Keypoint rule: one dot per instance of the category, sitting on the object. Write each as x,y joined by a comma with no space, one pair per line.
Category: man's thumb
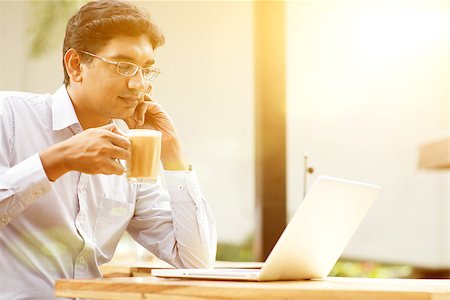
109,127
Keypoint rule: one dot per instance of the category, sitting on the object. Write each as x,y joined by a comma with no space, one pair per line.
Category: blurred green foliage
370,270
235,252
48,21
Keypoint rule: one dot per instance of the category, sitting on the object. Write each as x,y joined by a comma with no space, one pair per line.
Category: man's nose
137,82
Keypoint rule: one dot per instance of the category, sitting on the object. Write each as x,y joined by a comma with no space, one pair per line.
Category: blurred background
367,83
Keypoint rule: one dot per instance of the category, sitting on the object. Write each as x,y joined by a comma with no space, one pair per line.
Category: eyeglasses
129,69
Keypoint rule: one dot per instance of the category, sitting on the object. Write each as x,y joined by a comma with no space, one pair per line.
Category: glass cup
143,166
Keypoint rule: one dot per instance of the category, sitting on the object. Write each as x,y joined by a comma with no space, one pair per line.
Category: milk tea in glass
143,165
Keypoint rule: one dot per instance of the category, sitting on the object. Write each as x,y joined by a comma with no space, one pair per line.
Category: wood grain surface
329,288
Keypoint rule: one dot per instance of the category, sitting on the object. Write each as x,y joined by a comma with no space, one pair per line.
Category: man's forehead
136,49
133,58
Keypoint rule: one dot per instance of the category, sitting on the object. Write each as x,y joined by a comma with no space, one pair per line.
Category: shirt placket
81,264
80,267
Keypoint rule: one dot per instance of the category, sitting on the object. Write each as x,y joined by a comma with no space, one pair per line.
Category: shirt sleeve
22,183
176,225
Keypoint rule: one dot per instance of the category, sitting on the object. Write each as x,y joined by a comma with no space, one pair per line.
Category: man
64,199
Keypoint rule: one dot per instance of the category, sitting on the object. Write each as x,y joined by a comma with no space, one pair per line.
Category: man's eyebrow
131,59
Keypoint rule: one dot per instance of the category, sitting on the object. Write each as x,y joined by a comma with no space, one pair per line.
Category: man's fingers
154,107
147,97
119,139
139,114
114,167
109,127
118,152
116,136
112,127
116,129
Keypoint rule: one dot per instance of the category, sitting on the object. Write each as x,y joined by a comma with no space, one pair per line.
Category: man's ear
72,61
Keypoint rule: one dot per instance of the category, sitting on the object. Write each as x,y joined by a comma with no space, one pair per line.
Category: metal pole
306,170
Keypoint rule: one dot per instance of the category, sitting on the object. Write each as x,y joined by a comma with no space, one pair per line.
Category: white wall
206,85
368,82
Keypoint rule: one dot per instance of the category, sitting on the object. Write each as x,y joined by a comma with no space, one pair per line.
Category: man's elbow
200,259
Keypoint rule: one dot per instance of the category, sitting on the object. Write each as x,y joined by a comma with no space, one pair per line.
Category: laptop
313,240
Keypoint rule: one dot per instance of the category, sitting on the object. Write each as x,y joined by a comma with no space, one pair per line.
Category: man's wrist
175,164
54,162
171,156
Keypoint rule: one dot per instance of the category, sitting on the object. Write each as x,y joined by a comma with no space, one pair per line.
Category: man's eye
147,71
126,68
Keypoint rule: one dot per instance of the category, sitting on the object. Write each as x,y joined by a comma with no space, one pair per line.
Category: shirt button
83,189
82,259
180,187
194,188
4,218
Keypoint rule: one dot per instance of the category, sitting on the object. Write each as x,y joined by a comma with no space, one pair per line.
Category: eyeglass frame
153,76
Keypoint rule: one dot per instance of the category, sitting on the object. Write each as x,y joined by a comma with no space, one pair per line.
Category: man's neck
86,117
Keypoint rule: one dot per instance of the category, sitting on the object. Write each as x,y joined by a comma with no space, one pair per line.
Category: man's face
109,94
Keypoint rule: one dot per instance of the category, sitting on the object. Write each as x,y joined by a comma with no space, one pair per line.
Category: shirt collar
63,113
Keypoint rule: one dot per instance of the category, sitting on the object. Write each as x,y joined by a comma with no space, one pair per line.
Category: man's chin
125,114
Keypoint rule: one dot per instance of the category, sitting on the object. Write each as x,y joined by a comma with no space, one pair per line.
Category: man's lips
130,100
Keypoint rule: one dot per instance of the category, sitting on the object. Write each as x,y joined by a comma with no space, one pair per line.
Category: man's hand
150,115
94,151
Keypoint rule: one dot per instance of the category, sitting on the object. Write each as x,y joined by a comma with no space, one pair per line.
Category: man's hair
97,22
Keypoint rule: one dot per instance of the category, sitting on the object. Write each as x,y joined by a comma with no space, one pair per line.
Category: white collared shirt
67,228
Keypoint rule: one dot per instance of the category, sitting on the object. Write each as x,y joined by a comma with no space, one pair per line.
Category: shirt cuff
183,185
27,180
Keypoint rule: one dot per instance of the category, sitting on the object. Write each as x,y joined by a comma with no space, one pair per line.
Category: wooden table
329,288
